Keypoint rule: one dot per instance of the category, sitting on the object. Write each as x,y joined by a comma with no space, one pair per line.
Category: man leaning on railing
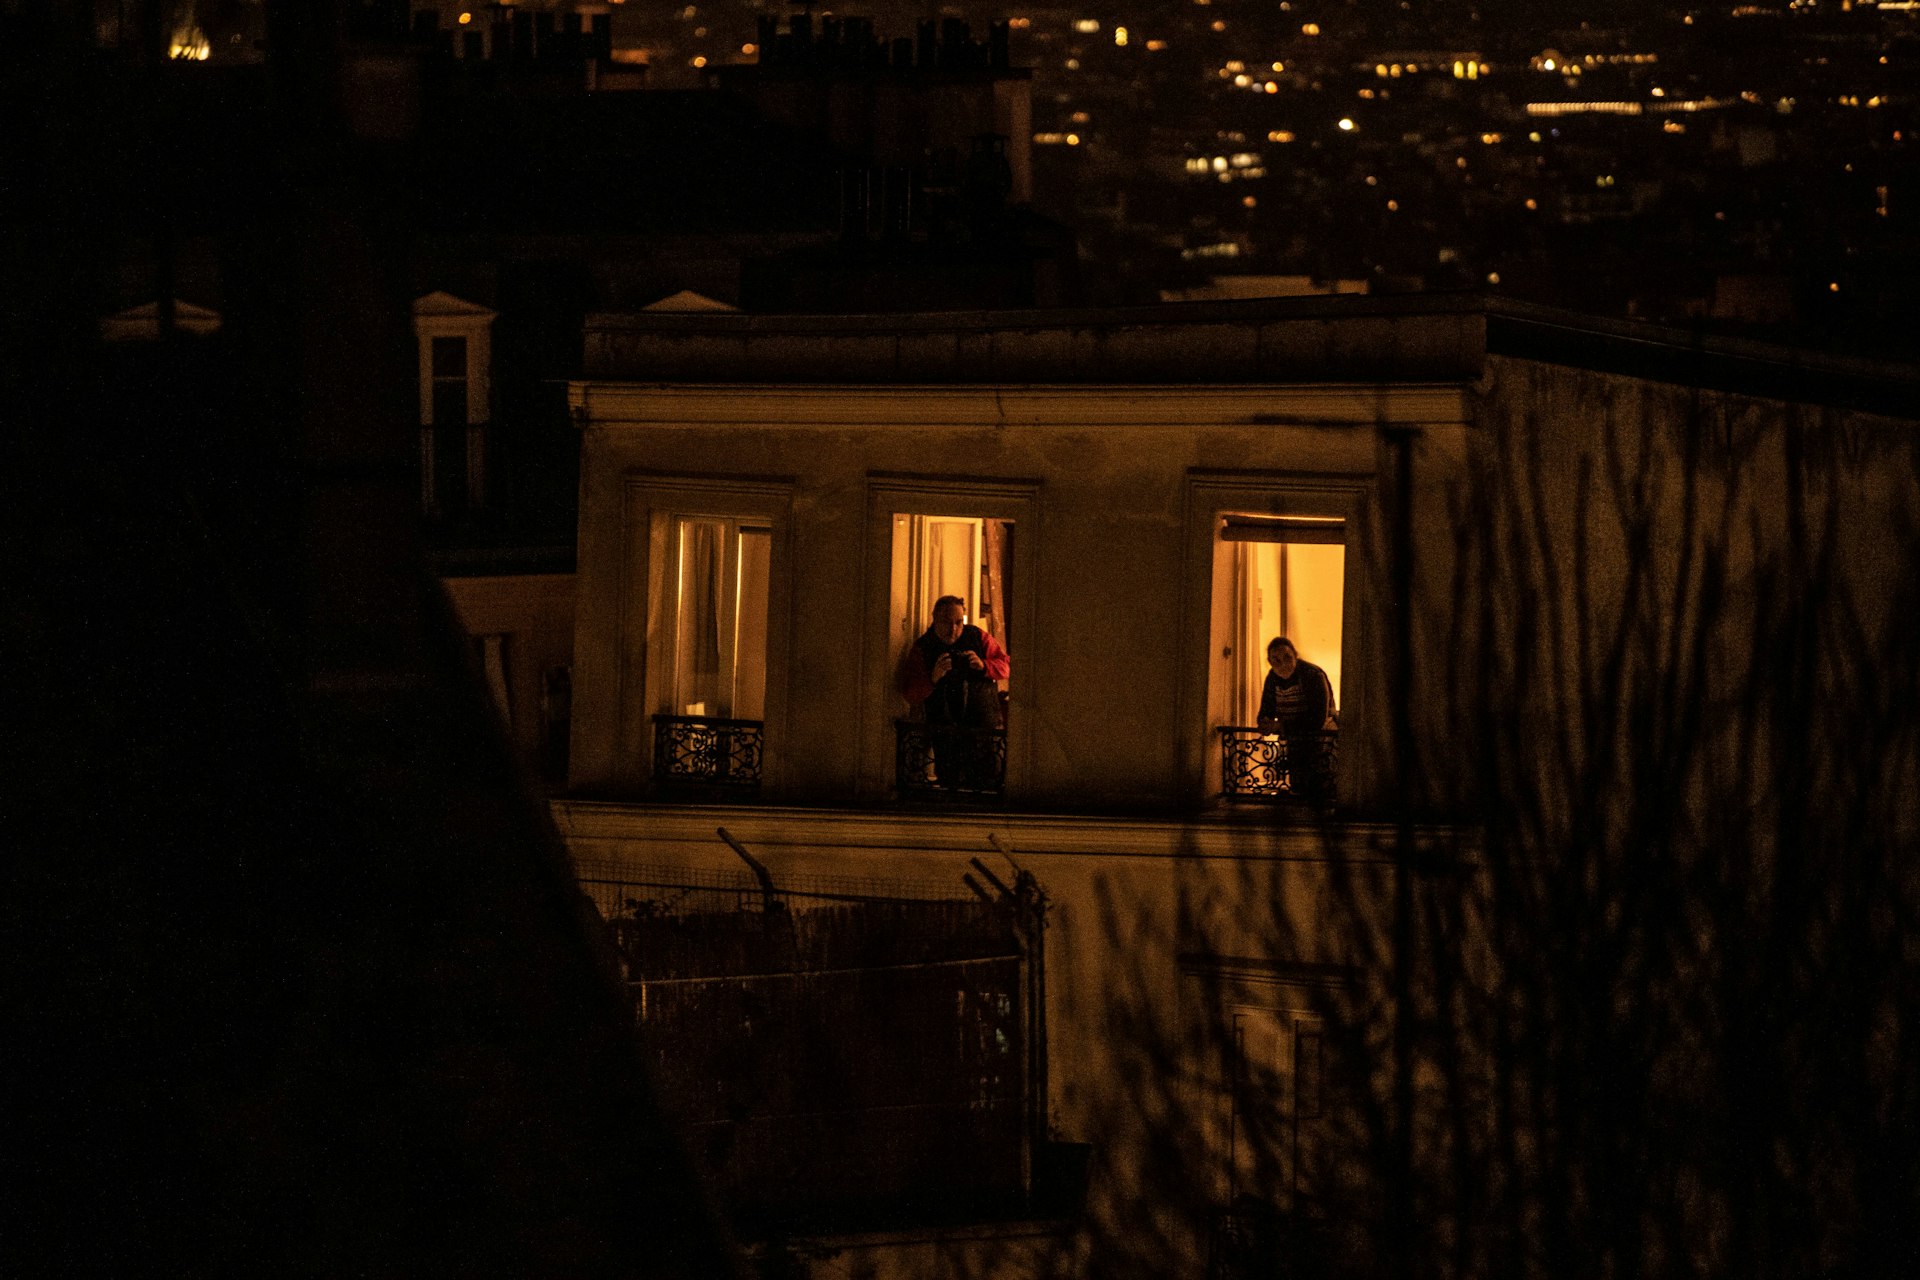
950,672
1297,703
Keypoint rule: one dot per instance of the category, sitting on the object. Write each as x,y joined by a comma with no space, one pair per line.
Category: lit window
711,617
1283,576
954,737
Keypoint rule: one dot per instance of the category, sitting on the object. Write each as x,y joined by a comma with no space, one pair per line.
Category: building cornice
644,404
774,829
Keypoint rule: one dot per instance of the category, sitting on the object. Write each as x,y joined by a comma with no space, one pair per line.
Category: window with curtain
718,617
1274,576
965,556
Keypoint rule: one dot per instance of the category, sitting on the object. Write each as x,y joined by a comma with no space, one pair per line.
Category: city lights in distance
1346,124
1120,36
465,18
1309,28
1280,135
1086,26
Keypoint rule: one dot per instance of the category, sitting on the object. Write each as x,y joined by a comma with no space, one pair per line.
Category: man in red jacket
950,671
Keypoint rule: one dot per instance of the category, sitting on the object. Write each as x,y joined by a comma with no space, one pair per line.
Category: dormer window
455,403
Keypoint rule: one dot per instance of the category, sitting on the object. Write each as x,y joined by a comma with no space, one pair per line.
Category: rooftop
1411,338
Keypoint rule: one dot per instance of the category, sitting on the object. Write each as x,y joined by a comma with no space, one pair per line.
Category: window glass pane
450,404
750,628
450,468
450,358
697,685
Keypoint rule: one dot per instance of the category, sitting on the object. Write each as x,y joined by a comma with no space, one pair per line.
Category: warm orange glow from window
465,18
699,62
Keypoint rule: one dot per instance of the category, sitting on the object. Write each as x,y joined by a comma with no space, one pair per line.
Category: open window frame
888,495
653,505
1211,497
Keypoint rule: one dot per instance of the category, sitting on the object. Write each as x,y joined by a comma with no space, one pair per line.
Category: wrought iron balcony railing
708,751
1258,765
952,761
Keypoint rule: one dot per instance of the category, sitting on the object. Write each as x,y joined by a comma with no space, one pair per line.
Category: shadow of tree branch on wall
1646,1005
